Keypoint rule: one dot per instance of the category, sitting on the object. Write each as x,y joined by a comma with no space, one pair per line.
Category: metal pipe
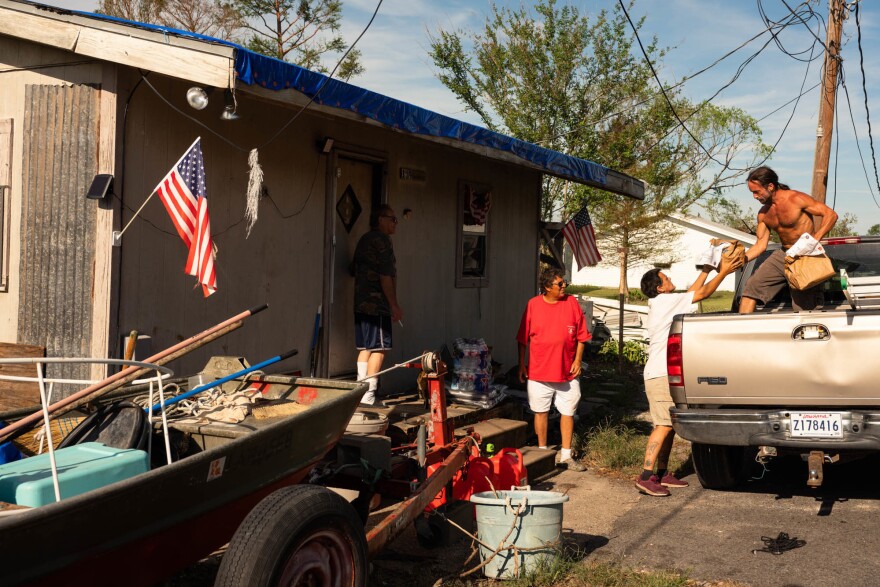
131,373
220,381
393,524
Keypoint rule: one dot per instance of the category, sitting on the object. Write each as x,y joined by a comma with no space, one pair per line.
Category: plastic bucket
523,526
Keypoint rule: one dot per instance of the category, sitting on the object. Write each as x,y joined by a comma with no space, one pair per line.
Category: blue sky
699,32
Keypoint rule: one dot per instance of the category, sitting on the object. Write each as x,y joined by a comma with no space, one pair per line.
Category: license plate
816,425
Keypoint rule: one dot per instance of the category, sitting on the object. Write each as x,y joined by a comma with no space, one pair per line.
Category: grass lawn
718,302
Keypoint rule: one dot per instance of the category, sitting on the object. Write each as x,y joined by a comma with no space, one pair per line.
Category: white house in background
694,238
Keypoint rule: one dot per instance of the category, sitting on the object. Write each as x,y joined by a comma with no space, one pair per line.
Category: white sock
362,369
564,454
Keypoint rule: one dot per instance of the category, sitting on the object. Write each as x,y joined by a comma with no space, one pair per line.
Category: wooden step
538,461
501,432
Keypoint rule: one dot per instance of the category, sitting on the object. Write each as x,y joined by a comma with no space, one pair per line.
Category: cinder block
374,449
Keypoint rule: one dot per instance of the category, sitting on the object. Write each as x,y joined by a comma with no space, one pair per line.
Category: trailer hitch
815,462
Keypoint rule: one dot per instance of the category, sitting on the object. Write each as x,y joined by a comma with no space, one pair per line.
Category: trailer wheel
721,467
300,535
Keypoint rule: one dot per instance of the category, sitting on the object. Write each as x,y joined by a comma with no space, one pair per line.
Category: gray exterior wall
282,263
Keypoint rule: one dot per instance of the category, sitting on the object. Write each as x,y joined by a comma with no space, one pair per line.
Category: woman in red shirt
554,332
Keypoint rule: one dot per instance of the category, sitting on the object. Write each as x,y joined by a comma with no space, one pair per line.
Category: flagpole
118,236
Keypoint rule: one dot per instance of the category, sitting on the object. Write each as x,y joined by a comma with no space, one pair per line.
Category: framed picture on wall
472,240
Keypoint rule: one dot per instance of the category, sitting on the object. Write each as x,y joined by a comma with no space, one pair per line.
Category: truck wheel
299,535
720,467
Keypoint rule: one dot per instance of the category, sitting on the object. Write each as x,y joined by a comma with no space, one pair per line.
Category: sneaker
378,404
669,481
572,465
651,486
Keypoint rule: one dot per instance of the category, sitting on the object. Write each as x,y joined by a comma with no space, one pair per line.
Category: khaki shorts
565,395
770,278
659,400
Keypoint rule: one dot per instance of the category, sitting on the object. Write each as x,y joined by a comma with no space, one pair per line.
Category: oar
129,374
221,381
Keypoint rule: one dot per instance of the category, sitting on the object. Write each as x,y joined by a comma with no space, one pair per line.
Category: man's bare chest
783,217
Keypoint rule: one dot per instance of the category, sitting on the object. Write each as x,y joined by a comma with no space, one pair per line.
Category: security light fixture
231,105
197,97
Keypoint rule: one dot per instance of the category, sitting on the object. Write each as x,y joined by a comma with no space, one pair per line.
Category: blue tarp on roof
275,74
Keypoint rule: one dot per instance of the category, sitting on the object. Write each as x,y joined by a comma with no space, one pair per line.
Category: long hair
765,176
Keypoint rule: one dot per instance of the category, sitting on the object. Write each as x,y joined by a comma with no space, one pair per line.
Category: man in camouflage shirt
375,296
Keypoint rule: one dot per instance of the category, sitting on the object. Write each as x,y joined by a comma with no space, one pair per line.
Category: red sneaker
669,481
651,486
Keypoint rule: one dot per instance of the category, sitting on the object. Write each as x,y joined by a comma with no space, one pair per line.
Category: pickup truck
752,387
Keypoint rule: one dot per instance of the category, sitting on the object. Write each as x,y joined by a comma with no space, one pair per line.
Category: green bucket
523,526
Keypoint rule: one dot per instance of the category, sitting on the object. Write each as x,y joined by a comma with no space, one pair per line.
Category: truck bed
820,358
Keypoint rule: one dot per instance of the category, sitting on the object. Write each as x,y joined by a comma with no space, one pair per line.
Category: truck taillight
674,367
846,240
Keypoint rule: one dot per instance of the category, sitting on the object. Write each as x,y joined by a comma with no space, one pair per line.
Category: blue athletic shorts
372,333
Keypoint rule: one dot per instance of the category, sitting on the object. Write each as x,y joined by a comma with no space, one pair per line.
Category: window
5,195
472,242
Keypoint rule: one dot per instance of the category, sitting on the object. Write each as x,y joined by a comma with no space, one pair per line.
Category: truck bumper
750,427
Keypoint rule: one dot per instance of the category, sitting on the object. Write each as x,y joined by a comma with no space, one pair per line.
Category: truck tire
299,535
720,467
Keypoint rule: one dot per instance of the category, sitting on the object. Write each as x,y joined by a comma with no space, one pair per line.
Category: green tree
214,18
845,225
299,31
555,77
730,213
874,230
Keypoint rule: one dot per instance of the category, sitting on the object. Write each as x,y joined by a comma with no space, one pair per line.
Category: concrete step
499,431
538,461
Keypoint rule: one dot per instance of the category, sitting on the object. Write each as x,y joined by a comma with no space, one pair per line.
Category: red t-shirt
552,331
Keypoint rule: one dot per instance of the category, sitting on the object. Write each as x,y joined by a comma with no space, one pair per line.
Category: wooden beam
192,60
109,128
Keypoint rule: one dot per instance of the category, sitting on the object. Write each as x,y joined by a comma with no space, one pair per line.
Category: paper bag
806,271
736,252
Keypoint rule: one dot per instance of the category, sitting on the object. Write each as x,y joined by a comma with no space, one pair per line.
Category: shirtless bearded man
790,213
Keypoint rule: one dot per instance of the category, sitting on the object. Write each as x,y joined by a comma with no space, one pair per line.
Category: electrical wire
663,90
294,117
865,92
856,134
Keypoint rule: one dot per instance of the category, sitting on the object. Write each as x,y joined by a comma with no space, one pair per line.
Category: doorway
358,186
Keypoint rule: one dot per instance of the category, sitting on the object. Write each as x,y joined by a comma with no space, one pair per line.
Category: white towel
806,245
711,256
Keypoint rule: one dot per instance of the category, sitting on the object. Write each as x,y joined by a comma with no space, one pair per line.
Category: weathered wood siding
51,98
57,222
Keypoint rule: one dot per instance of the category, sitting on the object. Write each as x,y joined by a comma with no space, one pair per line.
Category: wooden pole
825,129
622,294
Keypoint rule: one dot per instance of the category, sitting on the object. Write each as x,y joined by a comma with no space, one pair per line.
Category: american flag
580,236
479,204
184,195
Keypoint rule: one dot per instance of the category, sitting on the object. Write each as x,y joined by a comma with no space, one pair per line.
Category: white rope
254,188
44,398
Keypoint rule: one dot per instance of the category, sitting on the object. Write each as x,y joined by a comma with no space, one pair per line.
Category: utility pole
836,14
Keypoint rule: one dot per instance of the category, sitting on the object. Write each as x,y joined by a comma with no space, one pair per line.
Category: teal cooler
81,468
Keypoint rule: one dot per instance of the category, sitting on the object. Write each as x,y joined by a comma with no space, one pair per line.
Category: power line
856,134
865,92
663,90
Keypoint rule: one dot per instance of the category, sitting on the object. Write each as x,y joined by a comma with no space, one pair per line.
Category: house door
358,190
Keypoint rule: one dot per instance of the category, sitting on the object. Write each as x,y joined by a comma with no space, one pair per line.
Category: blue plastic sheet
274,74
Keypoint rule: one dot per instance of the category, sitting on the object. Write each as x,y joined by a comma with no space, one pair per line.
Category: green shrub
634,352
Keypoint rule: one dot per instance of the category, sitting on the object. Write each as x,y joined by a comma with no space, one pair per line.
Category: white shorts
565,395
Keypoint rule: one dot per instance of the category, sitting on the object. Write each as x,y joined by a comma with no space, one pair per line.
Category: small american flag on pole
580,236
184,195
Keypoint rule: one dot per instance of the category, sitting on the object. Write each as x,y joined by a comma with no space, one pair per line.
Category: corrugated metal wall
57,259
